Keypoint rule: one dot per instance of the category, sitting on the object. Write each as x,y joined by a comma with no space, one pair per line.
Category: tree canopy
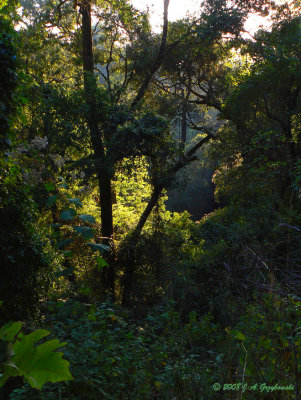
100,117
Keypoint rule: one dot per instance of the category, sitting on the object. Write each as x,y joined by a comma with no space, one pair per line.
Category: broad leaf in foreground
38,364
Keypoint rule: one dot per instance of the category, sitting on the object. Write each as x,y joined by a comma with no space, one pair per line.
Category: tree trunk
104,179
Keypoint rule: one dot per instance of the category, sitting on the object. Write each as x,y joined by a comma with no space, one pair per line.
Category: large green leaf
7,335
38,364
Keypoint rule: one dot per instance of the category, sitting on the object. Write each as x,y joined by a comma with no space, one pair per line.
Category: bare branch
291,227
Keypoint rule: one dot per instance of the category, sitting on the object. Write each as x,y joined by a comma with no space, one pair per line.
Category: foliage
265,108
28,259
162,357
270,334
37,364
25,252
84,172
116,359
8,78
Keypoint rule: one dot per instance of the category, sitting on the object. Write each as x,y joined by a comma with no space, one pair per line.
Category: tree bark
103,176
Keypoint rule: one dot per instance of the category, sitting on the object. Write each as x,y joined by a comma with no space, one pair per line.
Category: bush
25,253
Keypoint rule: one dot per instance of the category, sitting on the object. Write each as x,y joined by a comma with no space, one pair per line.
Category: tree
23,248
8,76
116,77
265,109
98,137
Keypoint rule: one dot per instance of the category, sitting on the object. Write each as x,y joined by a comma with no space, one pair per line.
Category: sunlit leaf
240,336
101,263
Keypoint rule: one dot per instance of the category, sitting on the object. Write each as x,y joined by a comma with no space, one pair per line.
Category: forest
107,290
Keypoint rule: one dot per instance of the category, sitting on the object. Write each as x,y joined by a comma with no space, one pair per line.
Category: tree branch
158,60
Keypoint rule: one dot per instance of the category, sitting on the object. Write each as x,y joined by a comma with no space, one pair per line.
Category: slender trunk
103,176
151,204
134,238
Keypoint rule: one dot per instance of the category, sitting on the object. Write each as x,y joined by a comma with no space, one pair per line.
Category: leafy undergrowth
115,357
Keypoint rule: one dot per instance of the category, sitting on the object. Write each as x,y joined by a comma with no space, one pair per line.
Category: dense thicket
25,262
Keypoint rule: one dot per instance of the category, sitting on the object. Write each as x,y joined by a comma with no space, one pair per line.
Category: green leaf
37,364
24,351
68,214
3,3
84,231
49,186
87,218
240,336
76,202
9,331
51,200
101,263
99,247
